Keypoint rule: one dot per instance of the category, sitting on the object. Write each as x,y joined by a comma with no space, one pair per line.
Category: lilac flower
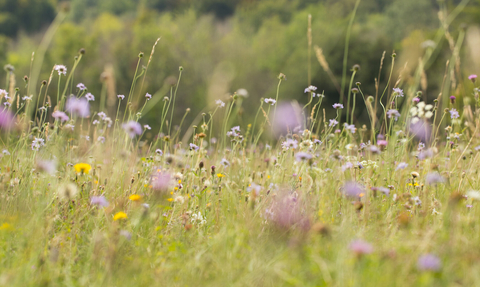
337,106
61,69
290,144
270,101
132,128
99,200
310,89
350,128
148,96
429,262
90,97
286,119
220,103
58,115
78,107
353,189
434,178
37,143
401,165
81,87
101,139
397,92
303,156
194,147
147,127
360,247
393,113
159,151
454,114
332,122
472,77
121,97
6,120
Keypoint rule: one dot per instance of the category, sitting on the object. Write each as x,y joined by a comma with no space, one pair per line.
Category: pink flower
360,247
472,77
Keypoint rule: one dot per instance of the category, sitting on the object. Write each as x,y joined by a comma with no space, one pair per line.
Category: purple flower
382,143
159,151
148,96
424,154
374,149
121,97
287,213
6,120
454,114
353,189
225,162
337,106
58,115
332,122
194,147
350,128
346,166
90,97
99,200
132,128
384,190
81,87
421,130
429,262
397,92
393,113
78,107
147,127
434,178
101,139
287,117
47,166
161,182
310,89
102,115
290,144
360,247
472,77
303,156
37,143
401,165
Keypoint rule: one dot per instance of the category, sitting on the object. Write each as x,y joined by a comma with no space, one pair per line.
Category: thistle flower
58,115
429,262
99,200
132,128
61,69
472,77
78,107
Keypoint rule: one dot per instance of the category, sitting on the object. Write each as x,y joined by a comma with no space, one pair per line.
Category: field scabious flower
61,69
472,77
454,114
302,156
290,144
148,96
337,106
360,247
37,143
132,128
90,97
47,166
429,262
353,189
332,122
220,103
270,101
58,115
121,97
99,200
81,87
287,118
78,107
397,92
434,178
82,168
393,113
401,165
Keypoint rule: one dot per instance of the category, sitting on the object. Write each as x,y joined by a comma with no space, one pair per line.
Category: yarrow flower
397,92
132,128
270,101
454,114
337,106
90,97
78,107
61,69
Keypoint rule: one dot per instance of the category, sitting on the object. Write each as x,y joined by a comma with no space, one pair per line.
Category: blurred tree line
223,45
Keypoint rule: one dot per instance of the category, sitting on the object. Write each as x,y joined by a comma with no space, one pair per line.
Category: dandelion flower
134,197
120,215
82,168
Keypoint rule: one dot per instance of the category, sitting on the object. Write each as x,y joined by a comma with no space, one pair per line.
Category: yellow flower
6,226
134,197
120,215
170,199
82,167
220,175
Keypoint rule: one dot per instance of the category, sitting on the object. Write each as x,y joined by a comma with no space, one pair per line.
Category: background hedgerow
377,186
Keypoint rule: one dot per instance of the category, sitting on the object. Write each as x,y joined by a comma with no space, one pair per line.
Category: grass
244,209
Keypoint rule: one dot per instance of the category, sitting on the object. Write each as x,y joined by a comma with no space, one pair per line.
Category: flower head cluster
397,92
132,128
61,69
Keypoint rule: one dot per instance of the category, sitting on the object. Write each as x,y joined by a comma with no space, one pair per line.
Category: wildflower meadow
375,186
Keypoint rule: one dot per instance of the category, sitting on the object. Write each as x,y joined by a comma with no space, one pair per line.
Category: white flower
61,69
474,194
